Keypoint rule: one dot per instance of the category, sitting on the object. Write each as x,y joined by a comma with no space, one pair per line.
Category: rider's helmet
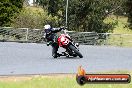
47,28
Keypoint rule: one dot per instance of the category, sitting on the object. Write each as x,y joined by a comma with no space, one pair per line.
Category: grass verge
53,81
122,34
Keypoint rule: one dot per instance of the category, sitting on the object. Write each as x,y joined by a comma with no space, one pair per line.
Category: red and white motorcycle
72,49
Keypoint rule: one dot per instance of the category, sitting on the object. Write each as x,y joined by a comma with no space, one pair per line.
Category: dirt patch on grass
29,77
13,78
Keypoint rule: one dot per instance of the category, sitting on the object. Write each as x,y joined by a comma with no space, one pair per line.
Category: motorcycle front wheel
71,47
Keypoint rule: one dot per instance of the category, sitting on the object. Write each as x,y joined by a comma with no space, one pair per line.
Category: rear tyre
75,51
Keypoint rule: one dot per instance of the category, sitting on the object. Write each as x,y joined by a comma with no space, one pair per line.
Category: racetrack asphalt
32,58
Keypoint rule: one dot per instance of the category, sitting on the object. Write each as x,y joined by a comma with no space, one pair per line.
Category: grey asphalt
32,58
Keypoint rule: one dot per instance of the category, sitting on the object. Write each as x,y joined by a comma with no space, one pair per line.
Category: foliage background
83,15
8,8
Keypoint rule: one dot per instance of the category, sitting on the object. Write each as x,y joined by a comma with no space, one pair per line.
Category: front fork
76,45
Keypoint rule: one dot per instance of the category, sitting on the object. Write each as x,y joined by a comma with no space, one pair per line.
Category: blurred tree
32,17
116,6
129,11
26,3
55,8
83,15
8,8
88,15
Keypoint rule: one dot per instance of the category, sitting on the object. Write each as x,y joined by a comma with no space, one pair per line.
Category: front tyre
75,51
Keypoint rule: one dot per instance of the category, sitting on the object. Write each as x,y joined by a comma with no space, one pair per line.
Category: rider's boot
55,55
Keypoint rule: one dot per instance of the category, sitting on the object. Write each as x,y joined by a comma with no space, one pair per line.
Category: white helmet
47,26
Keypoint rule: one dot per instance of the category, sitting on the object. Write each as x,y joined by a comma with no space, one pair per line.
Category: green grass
121,28
55,82
120,40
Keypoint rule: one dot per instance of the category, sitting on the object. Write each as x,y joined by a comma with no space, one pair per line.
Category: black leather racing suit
51,37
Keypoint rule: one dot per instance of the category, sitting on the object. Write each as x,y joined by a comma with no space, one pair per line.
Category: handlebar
63,27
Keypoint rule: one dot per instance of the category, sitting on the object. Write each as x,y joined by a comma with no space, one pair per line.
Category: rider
51,37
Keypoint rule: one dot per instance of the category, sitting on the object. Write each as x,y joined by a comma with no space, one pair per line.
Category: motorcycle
72,48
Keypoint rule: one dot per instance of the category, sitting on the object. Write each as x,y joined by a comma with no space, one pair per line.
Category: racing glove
49,43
